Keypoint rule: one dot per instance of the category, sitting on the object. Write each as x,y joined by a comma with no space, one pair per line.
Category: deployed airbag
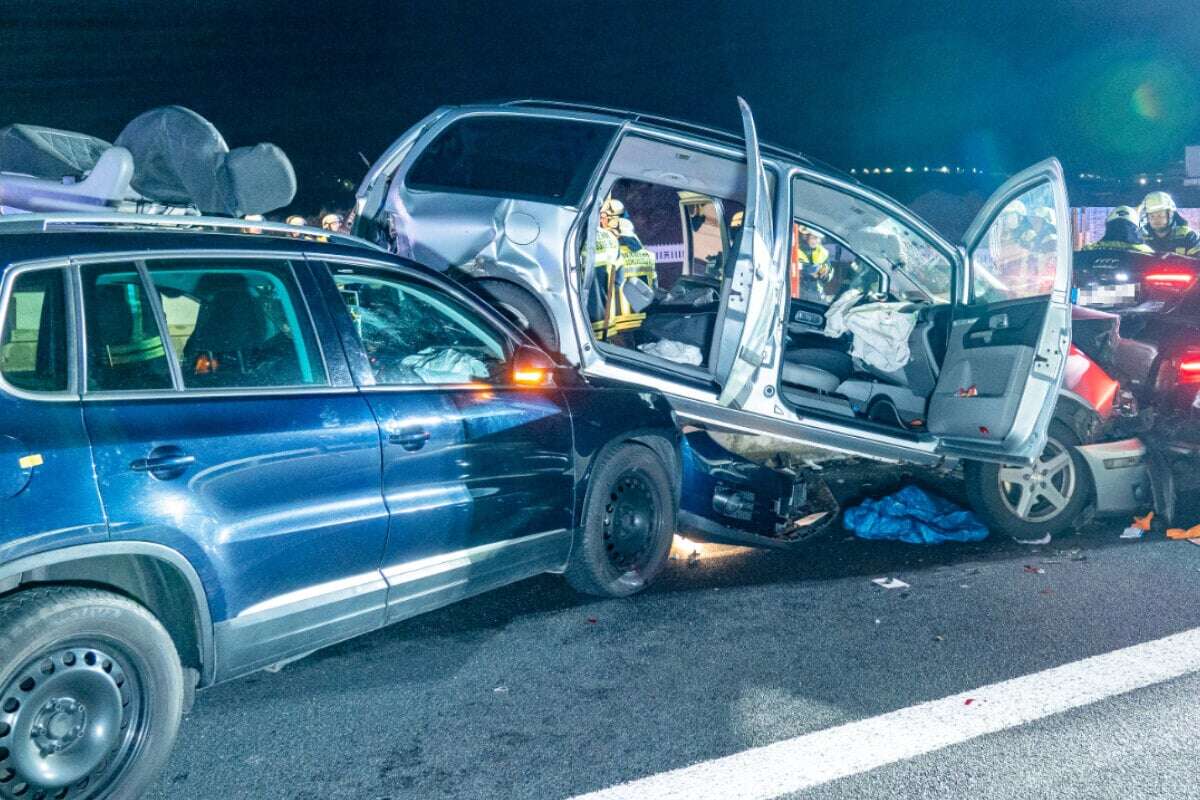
445,366
881,332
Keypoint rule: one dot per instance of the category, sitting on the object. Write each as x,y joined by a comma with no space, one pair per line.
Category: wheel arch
1079,415
152,575
663,443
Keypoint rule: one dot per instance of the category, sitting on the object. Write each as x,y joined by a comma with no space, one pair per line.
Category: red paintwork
1087,379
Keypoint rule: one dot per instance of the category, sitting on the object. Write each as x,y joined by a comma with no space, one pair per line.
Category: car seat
231,328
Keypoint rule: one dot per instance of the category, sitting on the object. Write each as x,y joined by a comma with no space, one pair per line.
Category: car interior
868,312
676,232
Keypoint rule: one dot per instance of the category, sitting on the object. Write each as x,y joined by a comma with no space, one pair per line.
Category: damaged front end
728,499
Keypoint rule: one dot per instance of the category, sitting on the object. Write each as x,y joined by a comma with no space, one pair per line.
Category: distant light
908,169
944,169
1159,180
887,170
852,172
926,169
876,170
1142,181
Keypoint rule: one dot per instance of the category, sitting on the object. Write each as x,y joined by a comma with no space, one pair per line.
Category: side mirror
532,367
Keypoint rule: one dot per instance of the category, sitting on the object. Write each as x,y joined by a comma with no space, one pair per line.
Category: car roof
49,236
670,124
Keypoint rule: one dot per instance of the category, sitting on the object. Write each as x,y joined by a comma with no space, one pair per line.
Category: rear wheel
522,309
628,524
91,693
1031,502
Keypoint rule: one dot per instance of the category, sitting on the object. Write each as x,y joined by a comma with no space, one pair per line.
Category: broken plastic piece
890,583
1143,523
1181,533
1132,533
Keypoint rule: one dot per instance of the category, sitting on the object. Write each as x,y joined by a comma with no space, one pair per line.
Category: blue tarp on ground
914,516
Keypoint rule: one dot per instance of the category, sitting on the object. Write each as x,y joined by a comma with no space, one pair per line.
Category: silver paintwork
1122,486
489,237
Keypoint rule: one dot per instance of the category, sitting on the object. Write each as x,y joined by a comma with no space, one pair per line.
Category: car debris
890,583
1192,533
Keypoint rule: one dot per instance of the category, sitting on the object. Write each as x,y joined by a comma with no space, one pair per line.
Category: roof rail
185,223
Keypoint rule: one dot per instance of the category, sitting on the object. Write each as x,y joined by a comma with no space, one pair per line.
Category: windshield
876,236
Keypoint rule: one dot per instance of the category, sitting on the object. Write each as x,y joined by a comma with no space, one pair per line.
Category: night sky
1105,86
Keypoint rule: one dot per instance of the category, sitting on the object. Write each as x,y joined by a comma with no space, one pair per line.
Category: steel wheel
630,522
1043,491
72,719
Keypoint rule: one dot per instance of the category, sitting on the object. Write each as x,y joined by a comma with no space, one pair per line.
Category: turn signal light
1177,279
531,376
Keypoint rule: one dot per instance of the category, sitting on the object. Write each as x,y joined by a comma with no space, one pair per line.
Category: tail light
1183,370
1189,368
1176,279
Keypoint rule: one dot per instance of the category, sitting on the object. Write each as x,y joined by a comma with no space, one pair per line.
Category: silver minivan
761,292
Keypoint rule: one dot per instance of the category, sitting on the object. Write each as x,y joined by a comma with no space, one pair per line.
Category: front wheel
91,693
1032,502
628,523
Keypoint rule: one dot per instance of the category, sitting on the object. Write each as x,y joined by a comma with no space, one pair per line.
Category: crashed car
680,258
1157,349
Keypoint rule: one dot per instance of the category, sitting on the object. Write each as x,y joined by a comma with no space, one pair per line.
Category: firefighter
1165,229
810,267
607,262
1122,232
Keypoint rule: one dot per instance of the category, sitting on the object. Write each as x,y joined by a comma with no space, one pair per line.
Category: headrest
180,158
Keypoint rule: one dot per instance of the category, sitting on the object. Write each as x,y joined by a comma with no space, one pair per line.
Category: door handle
998,322
164,463
410,440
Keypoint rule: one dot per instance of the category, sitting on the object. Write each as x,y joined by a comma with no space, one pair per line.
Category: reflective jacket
1180,238
1121,234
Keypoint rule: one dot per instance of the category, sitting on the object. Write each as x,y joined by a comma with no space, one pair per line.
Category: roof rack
184,223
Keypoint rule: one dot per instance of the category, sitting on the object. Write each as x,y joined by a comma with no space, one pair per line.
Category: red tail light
1188,370
1175,278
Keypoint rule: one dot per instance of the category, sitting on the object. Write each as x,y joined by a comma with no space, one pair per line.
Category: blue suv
223,447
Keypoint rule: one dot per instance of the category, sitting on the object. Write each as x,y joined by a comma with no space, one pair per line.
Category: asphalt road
535,692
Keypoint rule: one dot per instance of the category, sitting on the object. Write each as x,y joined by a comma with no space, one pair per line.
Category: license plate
1108,295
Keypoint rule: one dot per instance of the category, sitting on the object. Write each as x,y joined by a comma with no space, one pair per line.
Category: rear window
33,347
530,158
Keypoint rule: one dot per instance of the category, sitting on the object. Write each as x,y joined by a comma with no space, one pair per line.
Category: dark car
220,451
1158,351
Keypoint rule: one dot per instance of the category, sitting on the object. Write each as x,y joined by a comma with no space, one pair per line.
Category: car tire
628,523
522,309
91,694
998,493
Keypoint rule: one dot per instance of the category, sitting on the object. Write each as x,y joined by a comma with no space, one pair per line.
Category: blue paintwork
287,491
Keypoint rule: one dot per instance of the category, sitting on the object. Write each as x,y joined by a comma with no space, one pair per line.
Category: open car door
753,293
1011,328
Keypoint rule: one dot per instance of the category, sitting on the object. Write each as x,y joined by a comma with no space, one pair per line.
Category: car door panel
273,494
1011,326
747,335
478,476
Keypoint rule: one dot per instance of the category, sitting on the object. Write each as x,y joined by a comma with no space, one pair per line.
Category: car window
125,351
1018,254
890,243
415,334
534,158
821,268
33,349
236,326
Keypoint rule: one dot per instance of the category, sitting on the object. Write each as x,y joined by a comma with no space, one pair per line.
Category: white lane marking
815,758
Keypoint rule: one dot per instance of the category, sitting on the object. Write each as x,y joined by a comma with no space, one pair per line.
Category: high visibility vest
1181,240
616,260
812,259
